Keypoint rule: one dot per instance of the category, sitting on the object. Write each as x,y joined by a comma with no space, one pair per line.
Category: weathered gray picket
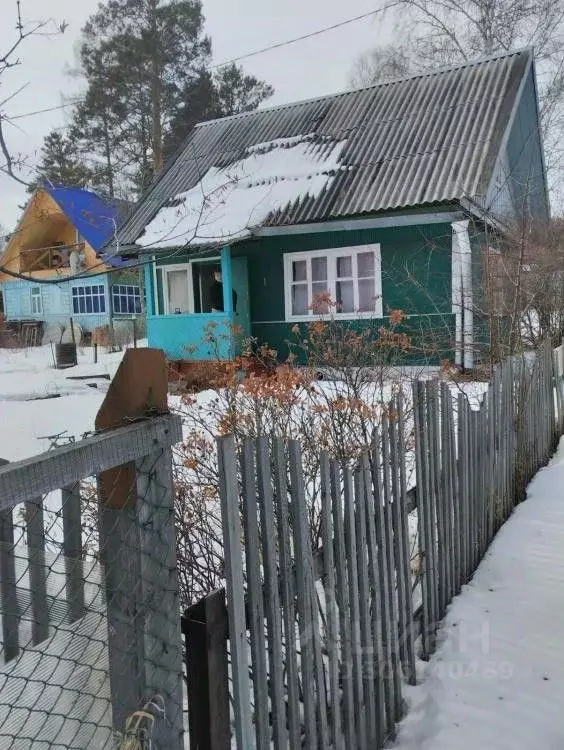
272,595
256,599
343,605
340,625
288,591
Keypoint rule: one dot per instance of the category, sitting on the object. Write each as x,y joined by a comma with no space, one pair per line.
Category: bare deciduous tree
10,163
381,64
434,33
450,31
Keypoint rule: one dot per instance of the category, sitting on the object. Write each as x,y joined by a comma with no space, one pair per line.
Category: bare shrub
254,395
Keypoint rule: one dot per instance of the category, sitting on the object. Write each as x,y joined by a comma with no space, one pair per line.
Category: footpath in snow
496,680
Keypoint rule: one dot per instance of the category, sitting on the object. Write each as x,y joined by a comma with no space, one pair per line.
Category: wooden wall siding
416,278
42,225
56,301
332,631
518,188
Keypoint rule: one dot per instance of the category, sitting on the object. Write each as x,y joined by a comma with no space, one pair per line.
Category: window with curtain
345,282
36,300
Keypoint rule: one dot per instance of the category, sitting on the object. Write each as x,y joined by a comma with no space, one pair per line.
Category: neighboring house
379,197
60,234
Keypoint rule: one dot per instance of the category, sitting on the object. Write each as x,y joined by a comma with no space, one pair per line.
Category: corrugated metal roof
425,139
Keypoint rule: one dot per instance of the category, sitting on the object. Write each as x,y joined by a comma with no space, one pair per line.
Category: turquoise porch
192,336
177,320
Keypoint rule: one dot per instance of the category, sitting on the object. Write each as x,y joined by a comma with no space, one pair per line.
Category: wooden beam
138,389
206,630
10,610
137,547
23,481
227,280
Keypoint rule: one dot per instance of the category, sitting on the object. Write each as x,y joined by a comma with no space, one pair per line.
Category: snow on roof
229,201
423,140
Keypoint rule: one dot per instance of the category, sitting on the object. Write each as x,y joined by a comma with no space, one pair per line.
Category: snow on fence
105,631
321,641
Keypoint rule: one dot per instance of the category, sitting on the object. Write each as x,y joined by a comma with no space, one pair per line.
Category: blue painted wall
56,302
518,190
416,278
186,336
191,336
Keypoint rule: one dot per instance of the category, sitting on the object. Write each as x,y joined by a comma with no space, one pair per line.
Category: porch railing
48,258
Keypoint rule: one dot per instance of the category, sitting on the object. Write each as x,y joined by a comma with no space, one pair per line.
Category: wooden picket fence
322,640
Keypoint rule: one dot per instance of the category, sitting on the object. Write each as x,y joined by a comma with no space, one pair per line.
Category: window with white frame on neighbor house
126,299
88,299
345,282
36,300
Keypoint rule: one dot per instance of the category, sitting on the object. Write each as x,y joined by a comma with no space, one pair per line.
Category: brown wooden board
139,389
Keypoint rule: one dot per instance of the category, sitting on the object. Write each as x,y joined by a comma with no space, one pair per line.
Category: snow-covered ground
497,678
27,374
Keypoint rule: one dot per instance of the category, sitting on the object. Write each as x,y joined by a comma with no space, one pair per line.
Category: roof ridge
96,193
482,94
347,92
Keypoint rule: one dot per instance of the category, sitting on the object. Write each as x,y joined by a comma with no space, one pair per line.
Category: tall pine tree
229,92
61,162
146,64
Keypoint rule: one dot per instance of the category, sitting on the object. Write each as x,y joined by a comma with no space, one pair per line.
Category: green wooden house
379,198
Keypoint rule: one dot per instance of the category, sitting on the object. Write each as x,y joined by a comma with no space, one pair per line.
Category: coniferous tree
237,92
61,163
146,64
229,92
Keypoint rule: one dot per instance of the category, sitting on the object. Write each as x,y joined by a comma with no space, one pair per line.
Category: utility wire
247,55
301,38
42,111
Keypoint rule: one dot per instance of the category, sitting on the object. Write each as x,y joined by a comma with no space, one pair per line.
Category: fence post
72,548
162,640
205,628
10,613
35,528
120,557
137,548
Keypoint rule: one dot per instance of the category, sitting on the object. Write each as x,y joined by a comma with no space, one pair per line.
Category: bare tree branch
8,60
8,166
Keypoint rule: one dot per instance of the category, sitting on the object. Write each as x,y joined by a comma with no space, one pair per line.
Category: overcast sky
310,68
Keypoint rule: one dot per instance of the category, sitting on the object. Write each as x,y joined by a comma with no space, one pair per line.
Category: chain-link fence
90,645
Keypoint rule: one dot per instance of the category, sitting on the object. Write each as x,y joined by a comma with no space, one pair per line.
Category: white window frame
36,297
103,296
165,270
136,294
180,267
331,255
